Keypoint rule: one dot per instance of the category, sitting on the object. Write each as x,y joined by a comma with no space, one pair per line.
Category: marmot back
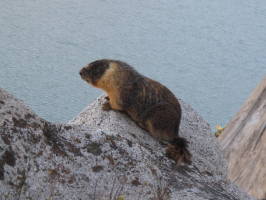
150,104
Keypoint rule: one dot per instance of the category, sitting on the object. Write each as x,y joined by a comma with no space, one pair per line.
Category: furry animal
150,104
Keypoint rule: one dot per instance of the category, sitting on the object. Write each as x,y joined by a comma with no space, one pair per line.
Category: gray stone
104,155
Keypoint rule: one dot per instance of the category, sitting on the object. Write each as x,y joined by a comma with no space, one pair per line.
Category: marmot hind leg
163,124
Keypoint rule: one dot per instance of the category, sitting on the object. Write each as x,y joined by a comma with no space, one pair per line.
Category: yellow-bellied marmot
150,104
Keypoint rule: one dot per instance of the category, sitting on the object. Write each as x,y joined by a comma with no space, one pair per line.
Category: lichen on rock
104,155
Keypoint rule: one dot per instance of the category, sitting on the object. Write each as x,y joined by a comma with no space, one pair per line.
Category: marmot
150,104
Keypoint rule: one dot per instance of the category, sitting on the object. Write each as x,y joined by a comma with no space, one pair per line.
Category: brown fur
150,104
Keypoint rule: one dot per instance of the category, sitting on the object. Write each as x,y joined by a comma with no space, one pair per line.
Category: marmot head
94,71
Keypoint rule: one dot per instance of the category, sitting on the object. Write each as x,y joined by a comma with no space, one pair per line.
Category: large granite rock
104,155
244,144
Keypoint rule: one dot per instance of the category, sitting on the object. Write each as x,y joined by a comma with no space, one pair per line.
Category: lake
210,53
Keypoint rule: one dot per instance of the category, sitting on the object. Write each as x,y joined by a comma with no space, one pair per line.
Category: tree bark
244,144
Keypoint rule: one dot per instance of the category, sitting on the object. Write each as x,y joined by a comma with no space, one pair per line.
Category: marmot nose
82,72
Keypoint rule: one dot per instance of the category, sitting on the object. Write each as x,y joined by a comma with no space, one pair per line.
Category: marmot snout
150,104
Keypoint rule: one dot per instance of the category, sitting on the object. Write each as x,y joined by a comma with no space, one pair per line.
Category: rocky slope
104,155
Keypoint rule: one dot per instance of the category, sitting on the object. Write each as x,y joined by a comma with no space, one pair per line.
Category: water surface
211,53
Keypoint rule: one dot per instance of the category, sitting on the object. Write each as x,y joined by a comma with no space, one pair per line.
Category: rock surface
245,137
104,155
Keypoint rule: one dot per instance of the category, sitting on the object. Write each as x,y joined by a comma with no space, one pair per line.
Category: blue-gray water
211,53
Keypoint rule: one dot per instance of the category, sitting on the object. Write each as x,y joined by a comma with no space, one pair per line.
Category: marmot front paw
106,106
